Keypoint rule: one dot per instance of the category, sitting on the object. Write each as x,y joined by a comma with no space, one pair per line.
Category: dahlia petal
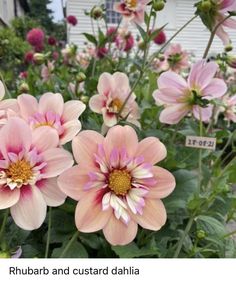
230,23
15,136
97,102
227,5
30,211
42,143
118,233
2,91
152,150
109,118
84,145
165,183
121,83
154,215
58,160
206,113
72,110
215,89
114,158
89,216
106,201
28,105
52,194
167,95
105,84
206,74
223,35
8,197
172,114
170,79
51,102
72,182
142,171
71,129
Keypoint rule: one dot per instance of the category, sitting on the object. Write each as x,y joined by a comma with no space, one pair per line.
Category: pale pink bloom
8,107
51,111
29,165
181,97
176,58
132,10
117,184
224,6
113,90
47,70
229,107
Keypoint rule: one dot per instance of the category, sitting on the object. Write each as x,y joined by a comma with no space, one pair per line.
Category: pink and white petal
206,113
121,137
105,84
121,82
58,160
230,23
71,129
109,119
172,114
72,181
154,215
194,72
10,104
8,197
170,79
223,35
168,95
139,17
72,110
232,100
227,5
97,103
2,91
206,73
44,138
51,102
28,105
89,216
165,183
152,150
215,89
118,233
118,8
30,211
84,145
15,136
51,192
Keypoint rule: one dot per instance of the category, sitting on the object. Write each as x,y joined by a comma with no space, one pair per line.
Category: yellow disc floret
19,172
131,4
119,181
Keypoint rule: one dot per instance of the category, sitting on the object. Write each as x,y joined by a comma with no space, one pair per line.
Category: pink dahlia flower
222,7
47,71
229,107
181,97
29,57
124,40
132,10
72,20
117,184
35,37
160,38
176,58
8,107
29,165
51,111
113,90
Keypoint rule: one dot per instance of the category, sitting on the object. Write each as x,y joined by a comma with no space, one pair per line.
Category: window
112,17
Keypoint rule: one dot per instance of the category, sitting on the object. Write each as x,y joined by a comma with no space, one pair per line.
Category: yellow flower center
116,105
120,181
19,172
44,124
131,4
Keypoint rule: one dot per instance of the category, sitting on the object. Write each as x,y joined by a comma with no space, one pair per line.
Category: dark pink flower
160,38
55,55
101,52
72,20
112,32
28,58
23,74
35,37
52,41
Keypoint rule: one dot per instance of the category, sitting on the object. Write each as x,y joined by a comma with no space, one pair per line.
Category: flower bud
38,58
231,61
96,12
80,77
24,88
206,5
84,99
228,47
158,5
201,234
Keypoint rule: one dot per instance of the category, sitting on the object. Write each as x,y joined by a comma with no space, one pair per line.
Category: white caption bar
201,142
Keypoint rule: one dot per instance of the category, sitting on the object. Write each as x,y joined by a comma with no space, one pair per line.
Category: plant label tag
201,142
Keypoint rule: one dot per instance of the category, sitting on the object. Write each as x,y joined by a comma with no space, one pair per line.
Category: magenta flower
52,41
181,97
29,165
72,20
29,57
35,37
132,10
160,38
124,40
117,184
113,90
51,112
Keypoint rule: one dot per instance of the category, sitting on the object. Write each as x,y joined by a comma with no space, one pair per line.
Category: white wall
7,12
176,13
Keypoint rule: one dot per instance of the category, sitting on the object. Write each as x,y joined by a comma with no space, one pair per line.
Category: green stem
68,245
3,224
49,232
229,234
213,33
181,241
200,152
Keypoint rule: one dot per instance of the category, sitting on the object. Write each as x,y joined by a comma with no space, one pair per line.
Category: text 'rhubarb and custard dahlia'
181,97
51,111
29,165
117,184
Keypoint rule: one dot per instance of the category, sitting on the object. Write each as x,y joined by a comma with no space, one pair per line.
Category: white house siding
7,12
176,13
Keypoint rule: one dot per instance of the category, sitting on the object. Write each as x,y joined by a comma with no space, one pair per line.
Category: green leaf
210,225
91,38
76,250
142,33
